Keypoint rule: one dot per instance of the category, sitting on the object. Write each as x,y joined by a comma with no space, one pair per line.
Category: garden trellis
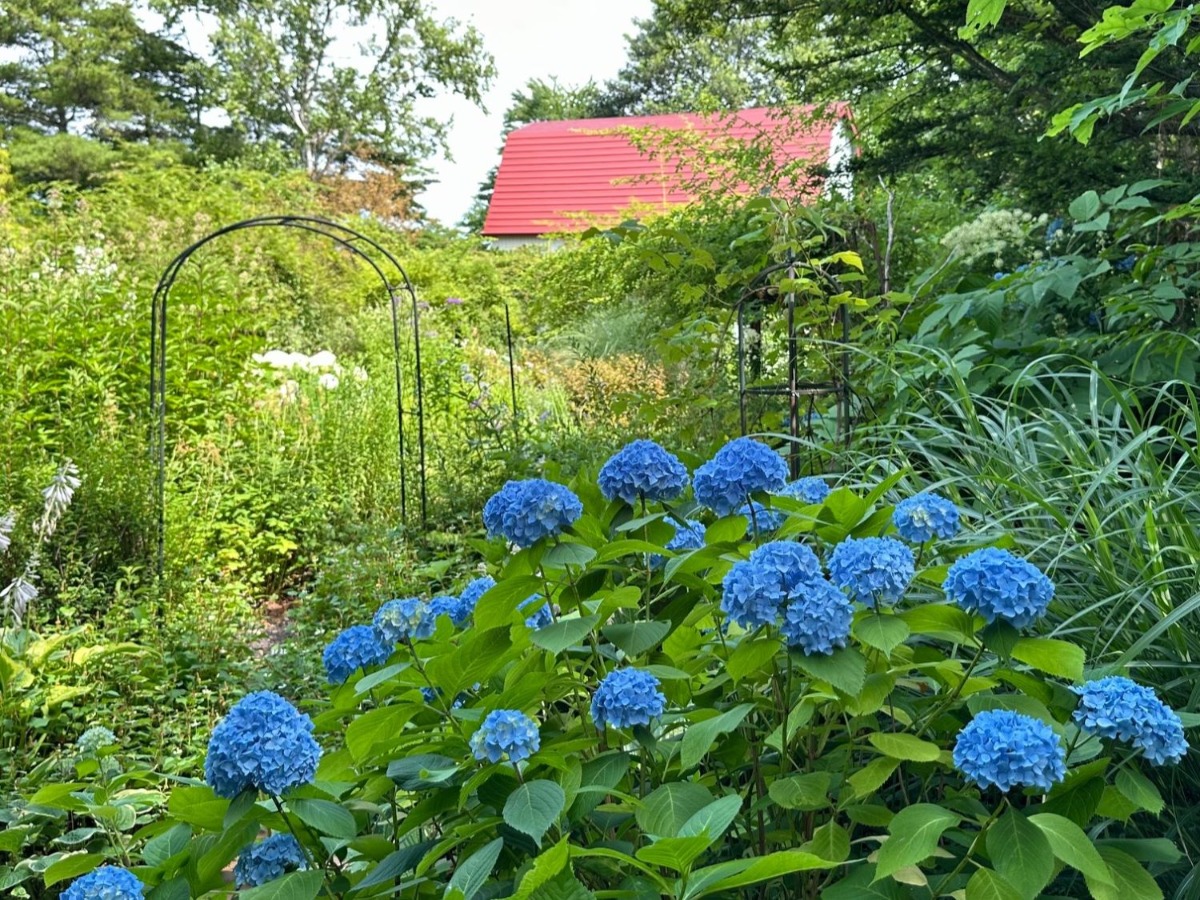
397,286
754,302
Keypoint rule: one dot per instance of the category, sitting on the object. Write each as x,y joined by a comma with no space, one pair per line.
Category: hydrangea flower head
542,616
817,618
811,489
642,470
627,697
872,570
454,607
925,516
761,519
358,647
95,739
1119,709
269,859
404,620
264,744
688,536
524,512
106,883
474,590
793,563
998,585
751,594
506,732
740,468
1006,749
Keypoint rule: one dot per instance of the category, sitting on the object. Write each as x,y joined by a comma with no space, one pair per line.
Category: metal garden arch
370,251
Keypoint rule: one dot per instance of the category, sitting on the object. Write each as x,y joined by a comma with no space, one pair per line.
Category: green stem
312,862
962,863
953,695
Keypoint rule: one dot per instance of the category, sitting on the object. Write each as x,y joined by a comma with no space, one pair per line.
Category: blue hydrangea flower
925,516
431,696
267,860
1006,749
106,883
1119,709
1126,264
264,744
473,591
998,585
541,617
751,594
817,618
358,647
506,732
643,470
689,536
454,607
627,697
527,511
872,570
812,489
740,468
95,739
1054,229
404,620
792,563
761,519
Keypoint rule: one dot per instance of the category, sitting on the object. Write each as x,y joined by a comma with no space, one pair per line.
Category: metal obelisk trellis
759,293
366,249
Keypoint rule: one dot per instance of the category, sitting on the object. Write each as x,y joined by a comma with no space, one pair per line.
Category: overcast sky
573,40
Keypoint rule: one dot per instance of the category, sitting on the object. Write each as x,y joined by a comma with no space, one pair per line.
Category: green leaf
635,638
563,887
808,791
498,607
198,806
545,868
1020,853
871,777
1138,789
665,809
1059,658
534,806
1129,880
884,633
558,636
472,873
724,878
914,835
727,530
677,853
1000,638
395,864
832,842
751,656
325,816
568,553
423,771
1085,206
699,736
293,886
1070,844
376,727
844,669
713,820
71,867
162,847
905,746
988,885
981,14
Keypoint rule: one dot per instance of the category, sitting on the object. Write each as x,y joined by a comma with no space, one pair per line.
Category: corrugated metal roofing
569,175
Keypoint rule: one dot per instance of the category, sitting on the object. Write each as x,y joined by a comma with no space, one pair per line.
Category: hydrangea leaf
600,775
558,636
471,873
568,553
713,820
635,638
676,853
1129,880
1059,658
844,669
534,806
71,867
498,605
396,864
751,656
726,877
831,841
906,747
562,887
871,777
161,847
377,727
1000,638
325,816
368,682
1020,853
665,810
545,868
727,530
197,806
913,836
1070,844
988,885
699,736
1138,789
425,770
809,791
884,633
1078,795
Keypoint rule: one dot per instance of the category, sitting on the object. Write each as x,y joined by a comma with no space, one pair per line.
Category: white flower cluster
992,234
323,364
56,497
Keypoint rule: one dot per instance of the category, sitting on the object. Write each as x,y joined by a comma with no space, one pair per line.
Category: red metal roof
569,175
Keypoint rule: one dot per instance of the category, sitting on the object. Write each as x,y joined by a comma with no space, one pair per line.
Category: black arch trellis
364,248
793,389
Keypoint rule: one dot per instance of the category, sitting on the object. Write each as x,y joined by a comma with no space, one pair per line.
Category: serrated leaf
905,746
677,853
1020,853
713,820
293,886
831,841
914,835
545,868
808,791
471,874
988,885
665,809
635,638
534,806
1070,844
325,816
70,867
699,736
726,530
884,633
1138,789
568,553
871,777
751,656
1129,880
1059,658
844,669
725,877
558,636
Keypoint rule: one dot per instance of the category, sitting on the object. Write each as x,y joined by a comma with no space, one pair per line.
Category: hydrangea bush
645,699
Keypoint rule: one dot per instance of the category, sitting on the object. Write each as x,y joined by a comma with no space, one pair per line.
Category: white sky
573,40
